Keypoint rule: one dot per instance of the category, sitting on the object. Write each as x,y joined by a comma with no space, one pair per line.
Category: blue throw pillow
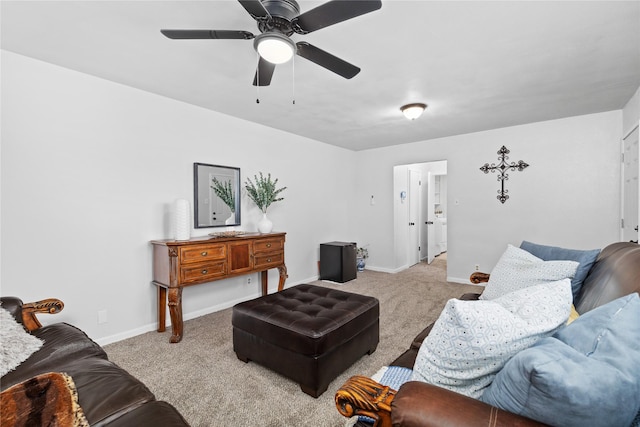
553,253
587,373
392,376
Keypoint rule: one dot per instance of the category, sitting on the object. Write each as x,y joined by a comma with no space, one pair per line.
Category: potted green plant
361,255
225,191
264,193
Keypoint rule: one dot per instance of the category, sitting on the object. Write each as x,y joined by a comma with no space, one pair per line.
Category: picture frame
216,196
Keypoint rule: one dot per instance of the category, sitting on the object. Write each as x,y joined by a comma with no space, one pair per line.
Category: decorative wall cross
502,168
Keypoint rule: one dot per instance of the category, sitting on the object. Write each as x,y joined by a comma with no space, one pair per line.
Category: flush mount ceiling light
413,111
274,47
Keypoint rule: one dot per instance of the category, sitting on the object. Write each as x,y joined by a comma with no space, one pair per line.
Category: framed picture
216,197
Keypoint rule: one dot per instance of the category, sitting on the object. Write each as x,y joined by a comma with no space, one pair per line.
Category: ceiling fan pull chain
293,80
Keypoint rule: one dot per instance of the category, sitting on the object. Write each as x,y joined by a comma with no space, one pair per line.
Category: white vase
182,220
265,225
231,220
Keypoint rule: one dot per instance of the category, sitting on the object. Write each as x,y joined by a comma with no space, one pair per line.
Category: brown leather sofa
107,394
616,273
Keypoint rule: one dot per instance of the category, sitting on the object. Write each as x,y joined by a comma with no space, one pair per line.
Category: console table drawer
200,272
264,260
203,253
268,245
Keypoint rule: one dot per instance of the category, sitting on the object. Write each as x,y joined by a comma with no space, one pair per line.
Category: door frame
400,207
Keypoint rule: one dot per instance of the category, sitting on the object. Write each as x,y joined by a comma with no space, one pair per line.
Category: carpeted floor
204,380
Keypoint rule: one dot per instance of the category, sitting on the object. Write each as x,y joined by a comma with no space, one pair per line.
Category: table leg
283,276
175,311
162,309
265,282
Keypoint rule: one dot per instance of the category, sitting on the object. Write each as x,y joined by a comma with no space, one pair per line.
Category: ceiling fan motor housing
287,9
282,12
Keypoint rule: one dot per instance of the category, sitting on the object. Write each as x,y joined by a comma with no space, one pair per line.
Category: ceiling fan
279,19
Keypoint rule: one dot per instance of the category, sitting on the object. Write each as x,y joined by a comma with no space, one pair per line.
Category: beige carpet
204,380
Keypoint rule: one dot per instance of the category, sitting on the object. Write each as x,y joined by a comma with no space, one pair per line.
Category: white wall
400,234
631,113
568,196
90,172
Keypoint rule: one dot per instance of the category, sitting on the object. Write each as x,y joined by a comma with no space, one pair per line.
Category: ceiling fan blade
327,60
332,12
255,9
207,34
264,73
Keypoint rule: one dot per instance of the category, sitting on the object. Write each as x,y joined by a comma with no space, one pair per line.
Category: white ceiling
478,64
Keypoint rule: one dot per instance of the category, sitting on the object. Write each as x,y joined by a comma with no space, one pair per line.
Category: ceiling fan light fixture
274,47
413,111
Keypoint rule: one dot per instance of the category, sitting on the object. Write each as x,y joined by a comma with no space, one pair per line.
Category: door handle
429,222
412,223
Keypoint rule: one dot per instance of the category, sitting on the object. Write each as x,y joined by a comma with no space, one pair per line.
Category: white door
414,217
631,190
432,245
424,208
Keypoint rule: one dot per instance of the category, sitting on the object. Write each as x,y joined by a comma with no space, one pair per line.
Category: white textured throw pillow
16,344
518,269
472,340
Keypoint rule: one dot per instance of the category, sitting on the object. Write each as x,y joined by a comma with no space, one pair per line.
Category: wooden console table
180,263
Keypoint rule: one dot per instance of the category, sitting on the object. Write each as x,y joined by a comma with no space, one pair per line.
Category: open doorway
420,207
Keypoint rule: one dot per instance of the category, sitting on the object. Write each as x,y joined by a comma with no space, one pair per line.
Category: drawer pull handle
205,271
204,253
268,259
268,245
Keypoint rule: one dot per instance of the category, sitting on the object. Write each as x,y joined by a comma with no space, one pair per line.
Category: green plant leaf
263,191
225,191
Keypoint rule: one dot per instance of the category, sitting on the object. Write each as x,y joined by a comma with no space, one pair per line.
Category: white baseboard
188,316
462,281
126,334
458,280
307,280
386,270
219,307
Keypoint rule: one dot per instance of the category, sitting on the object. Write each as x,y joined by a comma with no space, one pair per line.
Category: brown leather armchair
616,273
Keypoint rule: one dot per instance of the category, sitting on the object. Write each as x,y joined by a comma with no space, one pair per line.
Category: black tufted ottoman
307,333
